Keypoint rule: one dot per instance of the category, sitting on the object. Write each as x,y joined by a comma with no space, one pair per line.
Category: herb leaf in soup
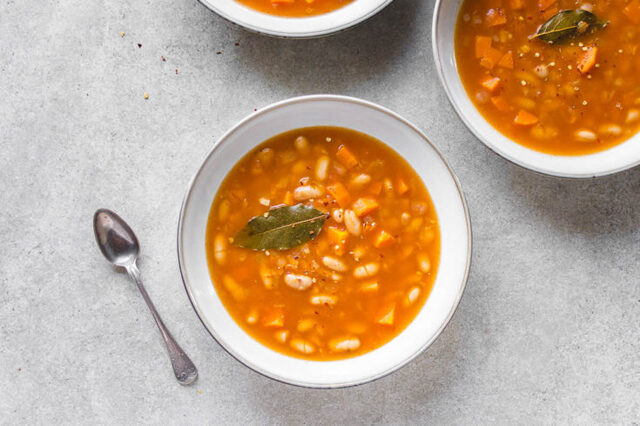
281,228
568,23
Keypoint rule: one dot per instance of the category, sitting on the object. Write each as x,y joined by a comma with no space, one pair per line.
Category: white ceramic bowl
404,138
314,26
618,158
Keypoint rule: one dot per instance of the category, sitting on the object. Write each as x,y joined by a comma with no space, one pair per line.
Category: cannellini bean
323,299
371,287
366,271
302,144
305,192
632,116
424,263
322,167
303,346
610,130
587,6
265,156
334,264
541,71
305,325
585,135
361,180
220,248
412,295
298,282
264,201
281,336
405,218
236,291
352,222
483,96
338,215
268,277
344,344
224,210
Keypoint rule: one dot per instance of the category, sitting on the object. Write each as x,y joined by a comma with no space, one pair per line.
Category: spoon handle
183,368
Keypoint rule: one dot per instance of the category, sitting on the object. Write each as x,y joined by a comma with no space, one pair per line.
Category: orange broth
573,97
365,276
295,8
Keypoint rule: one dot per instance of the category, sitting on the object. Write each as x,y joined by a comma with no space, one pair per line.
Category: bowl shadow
598,206
333,64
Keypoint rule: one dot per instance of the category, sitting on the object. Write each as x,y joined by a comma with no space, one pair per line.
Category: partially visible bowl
406,140
618,158
305,27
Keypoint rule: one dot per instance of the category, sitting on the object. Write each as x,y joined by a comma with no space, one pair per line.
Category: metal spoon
120,246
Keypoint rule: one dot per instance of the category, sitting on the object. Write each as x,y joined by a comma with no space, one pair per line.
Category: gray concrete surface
547,331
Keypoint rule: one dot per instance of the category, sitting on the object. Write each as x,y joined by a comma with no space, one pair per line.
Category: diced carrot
340,193
401,187
383,240
491,83
525,118
346,157
375,188
632,11
500,103
491,58
386,315
364,206
288,198
483,44
516,4
545,4
588,60
273,318
552,11
338,239
506,61
496,17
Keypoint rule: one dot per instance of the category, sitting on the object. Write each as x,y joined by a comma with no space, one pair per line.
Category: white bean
302,144
322,167
305,192
610,130
585,135
323,299
265,156
632,116
281,335
412,295
220,249
224,210
334,264
424,263
268,278
352,222
338,215
344,344
361,180
303,346
298,282
305,325
366,271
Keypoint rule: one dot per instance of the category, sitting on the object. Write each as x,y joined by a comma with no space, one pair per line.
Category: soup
295,8
368,265
566,93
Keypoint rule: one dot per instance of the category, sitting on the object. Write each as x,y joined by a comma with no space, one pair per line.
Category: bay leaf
281,228
568,23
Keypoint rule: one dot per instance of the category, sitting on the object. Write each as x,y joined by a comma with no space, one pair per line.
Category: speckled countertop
547,331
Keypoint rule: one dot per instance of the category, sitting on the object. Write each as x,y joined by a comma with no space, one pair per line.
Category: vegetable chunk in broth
323,243
295,8
557,76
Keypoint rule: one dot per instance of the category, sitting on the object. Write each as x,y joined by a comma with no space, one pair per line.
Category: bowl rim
212,151
327,31
528,165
